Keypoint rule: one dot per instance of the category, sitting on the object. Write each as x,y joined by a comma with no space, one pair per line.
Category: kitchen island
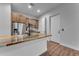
29,46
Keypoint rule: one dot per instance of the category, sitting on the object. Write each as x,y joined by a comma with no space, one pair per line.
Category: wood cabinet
34,23
14,17
21,19
18,18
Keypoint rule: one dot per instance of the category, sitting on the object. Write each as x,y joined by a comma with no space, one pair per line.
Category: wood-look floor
55,49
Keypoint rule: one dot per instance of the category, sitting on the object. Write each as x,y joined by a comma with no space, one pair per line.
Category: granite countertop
21,38
6,36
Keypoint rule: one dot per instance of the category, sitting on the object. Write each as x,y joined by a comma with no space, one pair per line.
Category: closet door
55,27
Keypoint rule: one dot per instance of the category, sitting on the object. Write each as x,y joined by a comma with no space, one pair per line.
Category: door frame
50,23
50,20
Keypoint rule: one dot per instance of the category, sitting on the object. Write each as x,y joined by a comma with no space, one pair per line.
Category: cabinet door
35,23
26,20
22,19
15,17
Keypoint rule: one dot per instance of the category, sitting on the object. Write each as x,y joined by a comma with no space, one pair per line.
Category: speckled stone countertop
16,40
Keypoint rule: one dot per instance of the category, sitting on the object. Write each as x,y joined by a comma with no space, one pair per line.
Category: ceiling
23,8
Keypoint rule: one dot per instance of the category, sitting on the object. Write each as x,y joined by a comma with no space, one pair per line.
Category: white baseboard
69,46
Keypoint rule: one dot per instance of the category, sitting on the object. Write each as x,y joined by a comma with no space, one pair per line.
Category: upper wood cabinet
14,17
22,19
18,18
34,23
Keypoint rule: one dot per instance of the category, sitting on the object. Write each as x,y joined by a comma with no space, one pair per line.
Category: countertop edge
27,40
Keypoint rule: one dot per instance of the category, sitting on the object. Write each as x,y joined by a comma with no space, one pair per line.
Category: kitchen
23,33
39,29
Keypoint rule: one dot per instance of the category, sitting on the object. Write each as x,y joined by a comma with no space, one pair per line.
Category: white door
55,27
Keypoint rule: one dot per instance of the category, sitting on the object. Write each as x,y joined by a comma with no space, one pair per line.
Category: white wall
42,24
69,21
5,19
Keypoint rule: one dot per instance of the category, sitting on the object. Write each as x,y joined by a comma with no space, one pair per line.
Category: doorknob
62,29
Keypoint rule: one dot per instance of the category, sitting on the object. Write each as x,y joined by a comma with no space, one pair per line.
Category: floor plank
55,49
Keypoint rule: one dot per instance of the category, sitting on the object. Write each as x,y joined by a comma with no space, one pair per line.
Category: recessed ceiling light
38,10
29,6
